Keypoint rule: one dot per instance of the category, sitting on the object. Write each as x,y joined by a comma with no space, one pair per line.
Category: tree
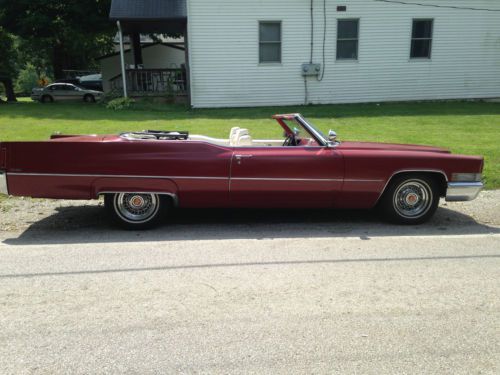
7,64
68,34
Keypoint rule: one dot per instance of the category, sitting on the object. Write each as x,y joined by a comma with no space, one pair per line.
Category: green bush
27,79
120,103
109,96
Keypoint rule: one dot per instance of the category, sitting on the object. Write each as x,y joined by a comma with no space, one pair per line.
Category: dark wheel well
438,177
89,98
47,98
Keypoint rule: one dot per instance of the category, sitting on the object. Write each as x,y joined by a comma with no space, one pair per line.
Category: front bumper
463,191
3,183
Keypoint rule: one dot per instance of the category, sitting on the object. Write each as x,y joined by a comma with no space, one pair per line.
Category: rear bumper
463,191
3,183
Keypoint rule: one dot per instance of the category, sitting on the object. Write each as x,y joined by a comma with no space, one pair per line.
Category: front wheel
89,98
136,210
410,199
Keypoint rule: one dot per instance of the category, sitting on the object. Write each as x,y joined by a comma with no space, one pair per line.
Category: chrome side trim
286,179
361,180
463,191
409,171
191,177
174,196
3,183
117,176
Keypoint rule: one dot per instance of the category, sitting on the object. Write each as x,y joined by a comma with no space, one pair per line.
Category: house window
269,42
421,39
347,39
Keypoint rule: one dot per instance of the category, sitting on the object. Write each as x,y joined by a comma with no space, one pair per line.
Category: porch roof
149,16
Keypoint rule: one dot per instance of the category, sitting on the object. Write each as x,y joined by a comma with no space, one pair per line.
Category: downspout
122,59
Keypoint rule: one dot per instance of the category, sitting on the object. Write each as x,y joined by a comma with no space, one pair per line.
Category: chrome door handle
239,157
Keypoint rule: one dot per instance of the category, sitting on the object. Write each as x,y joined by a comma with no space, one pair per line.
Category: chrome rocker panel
463,191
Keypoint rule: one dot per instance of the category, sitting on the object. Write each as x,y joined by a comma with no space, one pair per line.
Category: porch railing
154,82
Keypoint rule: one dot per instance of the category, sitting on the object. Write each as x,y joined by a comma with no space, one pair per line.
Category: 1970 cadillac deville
143,174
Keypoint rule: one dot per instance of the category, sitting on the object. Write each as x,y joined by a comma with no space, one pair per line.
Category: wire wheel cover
412,198
136,208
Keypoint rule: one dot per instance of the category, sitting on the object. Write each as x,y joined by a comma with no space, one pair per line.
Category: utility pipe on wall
122,59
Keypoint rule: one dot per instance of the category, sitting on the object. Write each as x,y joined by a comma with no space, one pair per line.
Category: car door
285,176
72,93
58,92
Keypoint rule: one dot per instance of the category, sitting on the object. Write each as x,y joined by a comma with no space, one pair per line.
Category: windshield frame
315,133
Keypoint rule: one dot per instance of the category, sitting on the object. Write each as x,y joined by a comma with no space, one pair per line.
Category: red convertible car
142,175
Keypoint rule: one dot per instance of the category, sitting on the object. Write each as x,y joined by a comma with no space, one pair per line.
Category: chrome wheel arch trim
174,197
436,171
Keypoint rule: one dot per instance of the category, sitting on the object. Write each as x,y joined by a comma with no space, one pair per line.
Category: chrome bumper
3,183
463,191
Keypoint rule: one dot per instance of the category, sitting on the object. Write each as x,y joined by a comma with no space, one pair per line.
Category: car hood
389,147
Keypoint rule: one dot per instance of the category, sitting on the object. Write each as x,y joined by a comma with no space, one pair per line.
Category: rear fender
105,185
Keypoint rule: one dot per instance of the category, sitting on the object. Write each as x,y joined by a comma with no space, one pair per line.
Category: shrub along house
288,52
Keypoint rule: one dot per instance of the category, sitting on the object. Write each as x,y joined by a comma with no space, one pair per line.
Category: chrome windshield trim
3,183
312,130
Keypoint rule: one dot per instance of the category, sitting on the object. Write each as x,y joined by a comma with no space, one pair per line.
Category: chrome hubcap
413,198
136,208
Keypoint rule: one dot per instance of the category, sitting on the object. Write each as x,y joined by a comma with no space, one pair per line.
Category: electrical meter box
311,69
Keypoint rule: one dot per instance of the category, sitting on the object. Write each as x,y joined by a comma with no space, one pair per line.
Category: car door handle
239,157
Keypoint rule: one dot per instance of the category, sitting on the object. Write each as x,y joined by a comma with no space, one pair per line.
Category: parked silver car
64,91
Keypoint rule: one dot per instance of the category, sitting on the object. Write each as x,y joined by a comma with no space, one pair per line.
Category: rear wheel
47,99
89,98
137,210
410,199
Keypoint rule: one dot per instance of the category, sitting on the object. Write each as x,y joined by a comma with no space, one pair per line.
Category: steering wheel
291,140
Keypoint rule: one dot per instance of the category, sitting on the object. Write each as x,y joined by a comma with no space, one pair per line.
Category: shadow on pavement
89,224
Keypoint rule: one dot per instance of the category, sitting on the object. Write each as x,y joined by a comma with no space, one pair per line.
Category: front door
285,176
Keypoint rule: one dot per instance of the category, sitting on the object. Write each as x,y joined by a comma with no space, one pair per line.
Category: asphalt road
226,292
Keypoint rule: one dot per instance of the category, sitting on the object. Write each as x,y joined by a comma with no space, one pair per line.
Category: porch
152,82
152,74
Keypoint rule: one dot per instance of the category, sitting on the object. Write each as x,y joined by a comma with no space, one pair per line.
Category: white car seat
233,136
243,138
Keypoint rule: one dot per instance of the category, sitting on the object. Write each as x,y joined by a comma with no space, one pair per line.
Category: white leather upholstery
243,138
233,136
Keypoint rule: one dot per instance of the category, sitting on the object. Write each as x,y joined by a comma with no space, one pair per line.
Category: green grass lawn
471,128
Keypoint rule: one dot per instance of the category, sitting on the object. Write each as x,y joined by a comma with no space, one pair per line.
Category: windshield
317,131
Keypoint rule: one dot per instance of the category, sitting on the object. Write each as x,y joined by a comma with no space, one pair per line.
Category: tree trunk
58,61
9,89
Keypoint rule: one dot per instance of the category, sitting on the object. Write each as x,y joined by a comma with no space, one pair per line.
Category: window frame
347,39
431,39
279,43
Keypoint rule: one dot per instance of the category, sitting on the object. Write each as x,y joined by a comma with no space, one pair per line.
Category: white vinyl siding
225,69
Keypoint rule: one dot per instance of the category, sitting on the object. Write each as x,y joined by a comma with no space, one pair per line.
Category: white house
251,53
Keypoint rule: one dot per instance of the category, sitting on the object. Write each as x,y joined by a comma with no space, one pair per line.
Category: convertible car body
143,174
